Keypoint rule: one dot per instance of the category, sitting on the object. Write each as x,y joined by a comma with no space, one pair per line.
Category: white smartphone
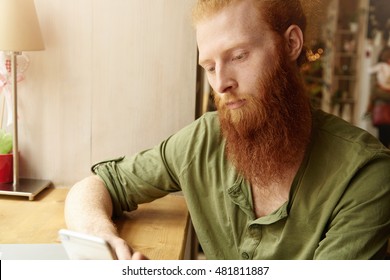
81,246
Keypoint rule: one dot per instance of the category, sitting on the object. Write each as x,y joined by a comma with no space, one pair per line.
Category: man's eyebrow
203,61
226,51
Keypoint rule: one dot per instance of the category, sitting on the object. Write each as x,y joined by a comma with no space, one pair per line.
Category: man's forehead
235,12
235,25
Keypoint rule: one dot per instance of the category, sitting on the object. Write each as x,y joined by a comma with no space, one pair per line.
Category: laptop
74,245
50,251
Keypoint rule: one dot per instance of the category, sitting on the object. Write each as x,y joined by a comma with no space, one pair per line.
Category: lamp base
26,187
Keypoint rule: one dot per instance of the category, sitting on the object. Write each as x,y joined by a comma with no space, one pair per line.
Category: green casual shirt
338,206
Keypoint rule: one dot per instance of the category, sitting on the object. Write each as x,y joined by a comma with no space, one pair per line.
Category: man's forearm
88,208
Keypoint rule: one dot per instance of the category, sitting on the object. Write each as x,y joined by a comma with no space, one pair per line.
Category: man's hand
123,250
88,209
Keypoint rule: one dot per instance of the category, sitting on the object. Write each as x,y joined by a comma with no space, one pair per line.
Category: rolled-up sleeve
139,179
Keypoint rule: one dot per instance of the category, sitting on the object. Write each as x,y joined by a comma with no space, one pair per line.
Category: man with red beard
267,177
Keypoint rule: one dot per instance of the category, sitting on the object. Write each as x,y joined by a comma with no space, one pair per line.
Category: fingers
124,251
138,256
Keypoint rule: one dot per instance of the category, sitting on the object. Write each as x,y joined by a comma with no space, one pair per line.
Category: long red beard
268,136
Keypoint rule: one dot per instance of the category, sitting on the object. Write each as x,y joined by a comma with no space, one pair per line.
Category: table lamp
19,31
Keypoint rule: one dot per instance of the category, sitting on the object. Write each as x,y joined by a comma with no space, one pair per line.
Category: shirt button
255,229
235,193
245,255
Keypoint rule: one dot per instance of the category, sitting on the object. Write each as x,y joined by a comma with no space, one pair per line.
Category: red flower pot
6,168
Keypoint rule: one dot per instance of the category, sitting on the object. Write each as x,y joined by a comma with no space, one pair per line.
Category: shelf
343,43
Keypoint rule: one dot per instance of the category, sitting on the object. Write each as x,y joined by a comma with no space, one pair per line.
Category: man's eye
239,57
210,69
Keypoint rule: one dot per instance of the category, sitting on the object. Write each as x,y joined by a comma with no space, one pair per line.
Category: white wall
117,76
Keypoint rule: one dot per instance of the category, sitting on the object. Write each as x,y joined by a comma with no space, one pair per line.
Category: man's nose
224,80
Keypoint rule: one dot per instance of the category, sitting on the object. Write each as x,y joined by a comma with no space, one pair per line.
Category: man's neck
268,198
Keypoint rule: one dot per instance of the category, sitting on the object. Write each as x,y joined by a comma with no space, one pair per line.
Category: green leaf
5,142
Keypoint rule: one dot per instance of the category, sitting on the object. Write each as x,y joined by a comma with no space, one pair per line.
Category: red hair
279,14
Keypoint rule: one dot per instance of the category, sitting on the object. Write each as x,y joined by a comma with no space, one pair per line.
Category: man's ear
294,41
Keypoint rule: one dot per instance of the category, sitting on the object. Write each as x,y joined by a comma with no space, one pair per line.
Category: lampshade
19,26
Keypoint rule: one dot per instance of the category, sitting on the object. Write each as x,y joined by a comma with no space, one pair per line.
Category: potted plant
6,157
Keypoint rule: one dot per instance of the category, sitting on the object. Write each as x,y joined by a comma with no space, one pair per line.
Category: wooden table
158,229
